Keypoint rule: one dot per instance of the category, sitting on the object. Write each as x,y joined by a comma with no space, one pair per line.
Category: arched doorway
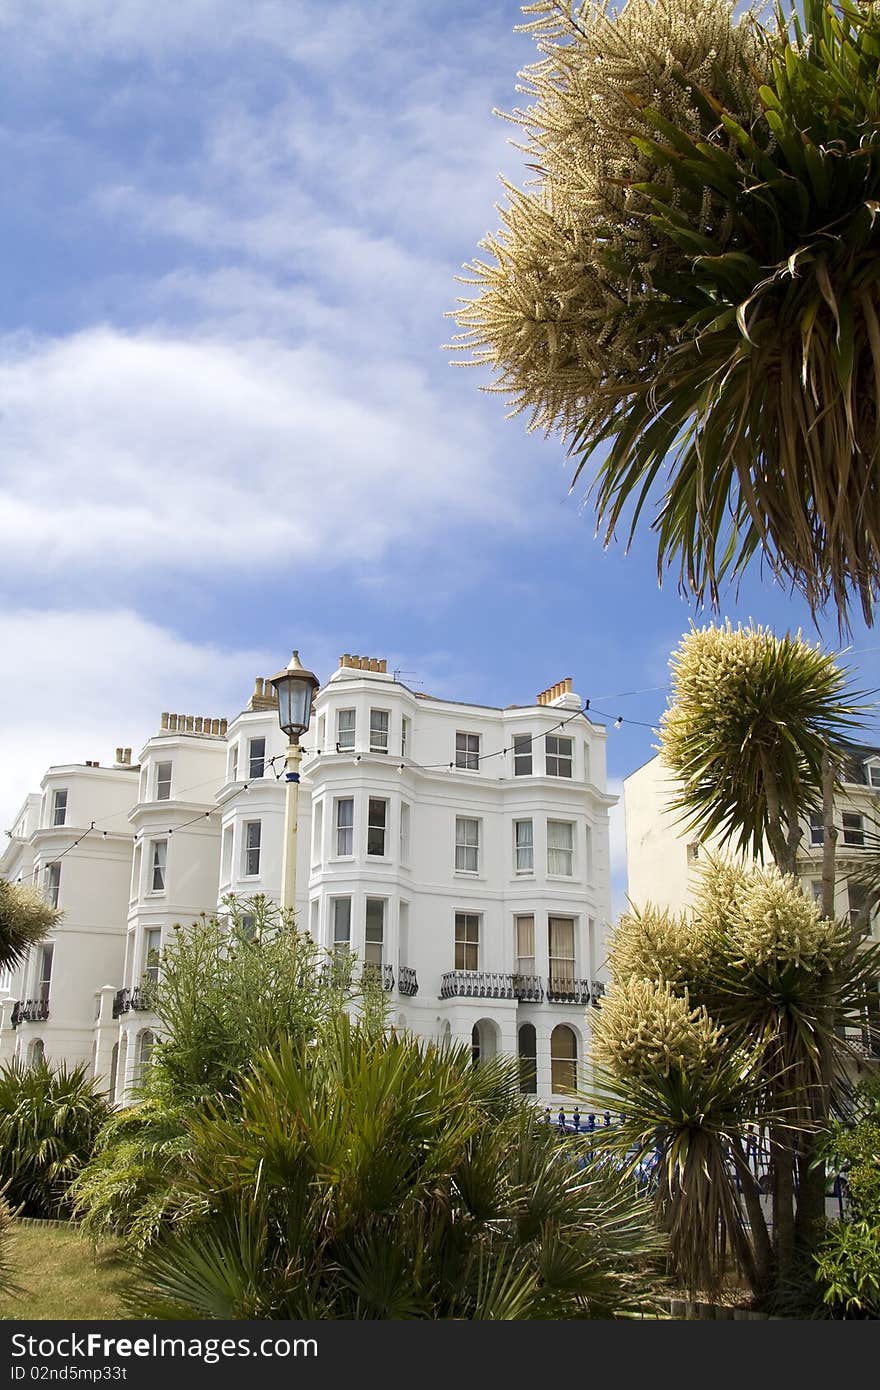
484,1040
527,1048
36,1052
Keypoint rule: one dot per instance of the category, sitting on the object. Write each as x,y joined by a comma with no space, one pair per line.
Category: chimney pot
165,719
119,755
258,686
223,726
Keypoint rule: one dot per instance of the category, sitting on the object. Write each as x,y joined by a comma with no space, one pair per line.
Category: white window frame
158,864
379,733
558,758
467,948
251,848
524,934
256,757
523,758
872,767
339,943
560,850
370,952
160,781
147,968
524,847
233,762
405,831
226,855
562,968
467,845
59,805
52,882
374,827
817,828
405,735
136,864
343,829
856,833
467,750
45,963
318,832
346,744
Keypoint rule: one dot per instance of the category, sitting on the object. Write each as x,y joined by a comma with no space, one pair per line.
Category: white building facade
460,852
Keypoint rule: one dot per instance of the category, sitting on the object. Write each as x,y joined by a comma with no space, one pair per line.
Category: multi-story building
663,858
460,851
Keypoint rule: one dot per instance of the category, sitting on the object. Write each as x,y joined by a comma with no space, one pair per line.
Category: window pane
252,848
561,933
525,945
376,824
256,757
525,846
160,848
59,812
379,731
52,881
522,755
467,940
558,755
374,931
345,825
853,830
467,845
163,781
342,924
560,852
467,751
345,729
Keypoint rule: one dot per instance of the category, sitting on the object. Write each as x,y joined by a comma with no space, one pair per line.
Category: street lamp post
295,688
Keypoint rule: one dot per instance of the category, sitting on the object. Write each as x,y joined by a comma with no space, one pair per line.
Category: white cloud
122,453
77,685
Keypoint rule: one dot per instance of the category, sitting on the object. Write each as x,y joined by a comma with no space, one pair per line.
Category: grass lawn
60,1276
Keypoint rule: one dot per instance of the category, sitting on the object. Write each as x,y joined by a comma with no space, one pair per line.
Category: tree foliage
750,720
25,920
692,285
50,1117
377,1176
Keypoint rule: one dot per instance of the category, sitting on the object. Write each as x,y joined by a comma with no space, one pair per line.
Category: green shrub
50,1117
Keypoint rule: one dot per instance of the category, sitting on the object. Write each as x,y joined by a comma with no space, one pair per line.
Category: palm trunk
784,853
782,1159
762,1253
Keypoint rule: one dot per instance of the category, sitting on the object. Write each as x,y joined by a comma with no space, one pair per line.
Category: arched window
475,1044
114,1070
528,1060
36,1052
563,1060
144,1053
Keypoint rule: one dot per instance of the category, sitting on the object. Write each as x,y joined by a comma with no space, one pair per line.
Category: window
256,757
158,865
561,933
467,940
52,883
467,845
405,821
114,1070
817,828
873,774
341,918
59,806
527,1047
853,829
588,853
36,1053
318,832
859,903
345,730
558,755
233,763
522,755
525,944
44,973
374,931
405,728
377,817
248,926
314,922
152,950
524,846
560,848
136,873
252,835
226,855
693,852
467,751
563,1060
586,762
345,825
144,1054
403,935
816,888
163,781
379,730
322,731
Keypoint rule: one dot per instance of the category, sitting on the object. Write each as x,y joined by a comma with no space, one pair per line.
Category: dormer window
872,770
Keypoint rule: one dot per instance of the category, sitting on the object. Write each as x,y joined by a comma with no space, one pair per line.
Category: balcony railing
476,984
379,974
29,1011
407,981
564,989
140,998
529,988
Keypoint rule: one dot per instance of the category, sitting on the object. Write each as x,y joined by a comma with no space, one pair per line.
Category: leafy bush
25,919
382,1177
848,1260
50,1117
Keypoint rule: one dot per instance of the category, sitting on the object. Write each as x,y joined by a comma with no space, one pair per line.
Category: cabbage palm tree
25,919
373,1177
690,292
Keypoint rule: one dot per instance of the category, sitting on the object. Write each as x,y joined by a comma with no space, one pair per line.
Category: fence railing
29,1011
141,998
476,984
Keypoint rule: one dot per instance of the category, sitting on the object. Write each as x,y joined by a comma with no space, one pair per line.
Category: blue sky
229,427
